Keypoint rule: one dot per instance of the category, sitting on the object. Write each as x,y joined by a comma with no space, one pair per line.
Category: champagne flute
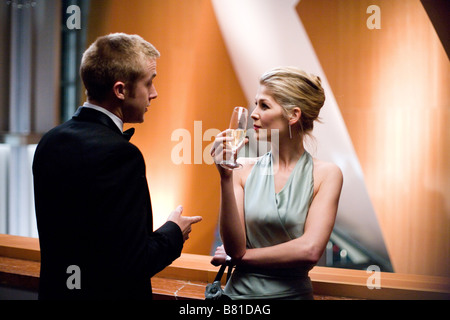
237,132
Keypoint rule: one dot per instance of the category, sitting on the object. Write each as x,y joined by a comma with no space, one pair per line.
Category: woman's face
268,116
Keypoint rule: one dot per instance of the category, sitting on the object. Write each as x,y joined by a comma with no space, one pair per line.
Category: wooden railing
187,277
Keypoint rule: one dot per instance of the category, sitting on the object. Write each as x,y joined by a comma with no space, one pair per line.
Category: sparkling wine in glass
237,132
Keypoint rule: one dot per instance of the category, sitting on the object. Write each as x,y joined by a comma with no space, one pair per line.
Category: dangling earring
290,132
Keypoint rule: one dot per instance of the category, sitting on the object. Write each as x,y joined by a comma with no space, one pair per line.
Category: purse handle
222,270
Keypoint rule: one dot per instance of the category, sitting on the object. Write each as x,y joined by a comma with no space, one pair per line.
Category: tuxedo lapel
91,115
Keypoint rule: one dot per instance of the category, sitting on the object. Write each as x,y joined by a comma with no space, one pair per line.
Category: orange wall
195,82
392,87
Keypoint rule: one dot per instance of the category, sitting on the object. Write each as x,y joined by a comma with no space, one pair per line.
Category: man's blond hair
111,58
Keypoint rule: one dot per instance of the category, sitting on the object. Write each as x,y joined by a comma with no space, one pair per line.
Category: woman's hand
220,256
222,151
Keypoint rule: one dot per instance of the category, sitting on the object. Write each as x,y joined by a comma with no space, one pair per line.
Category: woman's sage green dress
270,219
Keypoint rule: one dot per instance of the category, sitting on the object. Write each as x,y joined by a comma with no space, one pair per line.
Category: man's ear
295,116
119,90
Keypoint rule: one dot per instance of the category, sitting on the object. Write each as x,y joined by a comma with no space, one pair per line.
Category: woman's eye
262,105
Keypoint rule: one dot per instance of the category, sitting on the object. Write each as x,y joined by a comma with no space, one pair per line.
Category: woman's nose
254,115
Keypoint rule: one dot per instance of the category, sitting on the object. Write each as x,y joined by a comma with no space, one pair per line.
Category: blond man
93,206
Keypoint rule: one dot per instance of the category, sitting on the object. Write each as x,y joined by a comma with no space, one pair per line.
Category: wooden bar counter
187,277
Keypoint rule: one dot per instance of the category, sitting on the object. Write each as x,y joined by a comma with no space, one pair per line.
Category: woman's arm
231,216
308,248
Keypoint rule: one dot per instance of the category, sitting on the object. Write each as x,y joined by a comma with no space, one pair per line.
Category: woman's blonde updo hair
291,87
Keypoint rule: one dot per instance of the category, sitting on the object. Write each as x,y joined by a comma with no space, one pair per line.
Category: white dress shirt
116,119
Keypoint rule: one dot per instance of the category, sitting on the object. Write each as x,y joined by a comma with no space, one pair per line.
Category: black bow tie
127,134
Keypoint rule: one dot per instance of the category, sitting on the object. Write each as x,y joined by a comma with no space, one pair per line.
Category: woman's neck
287,151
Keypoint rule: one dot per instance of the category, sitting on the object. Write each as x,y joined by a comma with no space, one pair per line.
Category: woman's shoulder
248,162
326,167
326,172
247,166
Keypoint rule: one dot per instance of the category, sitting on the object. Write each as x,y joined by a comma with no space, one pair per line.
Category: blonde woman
275,226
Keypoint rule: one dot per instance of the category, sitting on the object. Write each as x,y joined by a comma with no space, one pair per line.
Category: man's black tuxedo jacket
93,211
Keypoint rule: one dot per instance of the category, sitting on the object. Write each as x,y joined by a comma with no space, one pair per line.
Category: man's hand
183,222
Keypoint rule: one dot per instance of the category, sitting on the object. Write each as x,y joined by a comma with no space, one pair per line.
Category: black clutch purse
214,290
